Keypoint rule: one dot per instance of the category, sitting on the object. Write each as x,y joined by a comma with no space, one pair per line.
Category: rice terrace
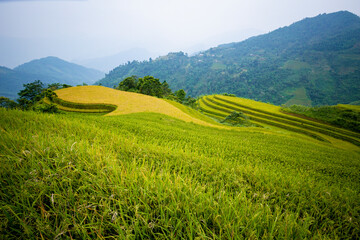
153,168
246,131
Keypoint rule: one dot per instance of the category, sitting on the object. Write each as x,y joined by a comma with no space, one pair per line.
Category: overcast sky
83,29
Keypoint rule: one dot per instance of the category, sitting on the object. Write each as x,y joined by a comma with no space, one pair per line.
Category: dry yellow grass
126,102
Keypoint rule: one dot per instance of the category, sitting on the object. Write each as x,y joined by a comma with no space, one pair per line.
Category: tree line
151,86
31,97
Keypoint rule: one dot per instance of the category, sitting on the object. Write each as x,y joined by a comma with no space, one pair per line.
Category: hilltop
57,70
315,61
125,103
48,70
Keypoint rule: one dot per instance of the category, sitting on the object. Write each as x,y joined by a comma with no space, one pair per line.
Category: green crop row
298,119
97,107
293,123
68,109
263,120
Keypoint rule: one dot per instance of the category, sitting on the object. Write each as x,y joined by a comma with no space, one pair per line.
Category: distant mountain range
315,61
48,70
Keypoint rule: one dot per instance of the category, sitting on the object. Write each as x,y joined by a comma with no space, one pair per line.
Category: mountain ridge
320,55
48,70
70,73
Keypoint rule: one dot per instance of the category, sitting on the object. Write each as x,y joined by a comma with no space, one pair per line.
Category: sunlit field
151,176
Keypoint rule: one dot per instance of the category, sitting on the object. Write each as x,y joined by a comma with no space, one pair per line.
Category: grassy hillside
315,61
147,175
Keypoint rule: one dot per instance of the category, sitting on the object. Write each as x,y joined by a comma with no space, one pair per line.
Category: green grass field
150,176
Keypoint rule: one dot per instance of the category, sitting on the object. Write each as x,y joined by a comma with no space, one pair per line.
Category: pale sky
84,29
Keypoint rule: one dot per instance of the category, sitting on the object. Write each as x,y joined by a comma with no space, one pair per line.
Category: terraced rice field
115,102
270,116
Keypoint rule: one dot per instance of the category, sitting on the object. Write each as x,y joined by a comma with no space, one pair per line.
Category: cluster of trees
151,86
30,98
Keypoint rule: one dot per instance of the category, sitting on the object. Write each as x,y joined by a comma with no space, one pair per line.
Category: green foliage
319,55
229,94
237,118
35,92
30,94
180,95
55,86
149,85
7,103
129,84
46,108
89,108
125,177
49,94
166,89
342,117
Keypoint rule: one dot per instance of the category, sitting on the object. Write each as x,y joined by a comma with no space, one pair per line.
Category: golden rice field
126,102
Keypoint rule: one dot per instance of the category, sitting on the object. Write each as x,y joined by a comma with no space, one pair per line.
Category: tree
129,84
7,103
165,89
49,94
54,86
191,102
30,94
180,94
147,85
236,118
150,86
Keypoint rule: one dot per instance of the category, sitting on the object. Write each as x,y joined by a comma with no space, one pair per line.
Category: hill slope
57,70
125,102
271,116
266,116
48,70
11,82
315,61
149,176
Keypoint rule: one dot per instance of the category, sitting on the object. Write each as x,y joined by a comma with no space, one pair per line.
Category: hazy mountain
48,70
107,63
314,61
11,82
58,70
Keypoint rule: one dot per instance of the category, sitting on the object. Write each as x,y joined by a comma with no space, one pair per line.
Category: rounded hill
125,102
